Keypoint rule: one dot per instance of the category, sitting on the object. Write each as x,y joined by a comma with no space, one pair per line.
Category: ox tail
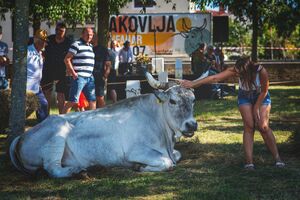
15,156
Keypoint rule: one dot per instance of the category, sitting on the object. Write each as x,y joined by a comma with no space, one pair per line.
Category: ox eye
172,101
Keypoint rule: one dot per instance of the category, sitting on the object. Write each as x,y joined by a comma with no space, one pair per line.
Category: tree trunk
36,24
18,94
103,20
254,31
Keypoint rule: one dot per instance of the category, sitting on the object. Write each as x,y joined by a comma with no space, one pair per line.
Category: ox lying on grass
139,131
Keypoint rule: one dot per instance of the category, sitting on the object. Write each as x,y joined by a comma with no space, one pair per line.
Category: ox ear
162,96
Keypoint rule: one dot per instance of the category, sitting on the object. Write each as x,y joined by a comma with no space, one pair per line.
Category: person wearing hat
34,71
4,61
125,58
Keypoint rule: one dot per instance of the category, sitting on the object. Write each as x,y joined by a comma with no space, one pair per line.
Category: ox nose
192,126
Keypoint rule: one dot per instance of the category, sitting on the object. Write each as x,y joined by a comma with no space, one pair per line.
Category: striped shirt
84,58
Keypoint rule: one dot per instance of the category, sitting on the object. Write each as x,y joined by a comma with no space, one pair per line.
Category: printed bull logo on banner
173,34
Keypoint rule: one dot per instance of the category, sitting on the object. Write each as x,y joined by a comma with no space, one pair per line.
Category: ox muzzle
189,128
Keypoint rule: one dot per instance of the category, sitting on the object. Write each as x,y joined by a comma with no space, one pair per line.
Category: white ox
139,131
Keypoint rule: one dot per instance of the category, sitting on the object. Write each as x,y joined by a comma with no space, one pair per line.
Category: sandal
249,166
280,164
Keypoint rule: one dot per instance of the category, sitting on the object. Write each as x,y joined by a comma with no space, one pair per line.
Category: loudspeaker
220,29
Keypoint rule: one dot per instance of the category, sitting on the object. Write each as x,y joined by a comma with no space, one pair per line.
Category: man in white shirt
125,58
34,71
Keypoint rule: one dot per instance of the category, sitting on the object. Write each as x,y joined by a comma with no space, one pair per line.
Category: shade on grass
211,167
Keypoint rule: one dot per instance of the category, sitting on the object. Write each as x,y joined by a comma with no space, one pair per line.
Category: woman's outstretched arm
230,72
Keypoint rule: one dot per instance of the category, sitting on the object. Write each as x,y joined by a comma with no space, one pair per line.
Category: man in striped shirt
80,64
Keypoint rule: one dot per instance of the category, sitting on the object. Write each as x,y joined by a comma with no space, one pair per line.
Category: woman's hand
256,114
186,83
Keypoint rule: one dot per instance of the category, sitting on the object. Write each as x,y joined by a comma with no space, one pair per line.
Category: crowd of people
80,69
90,66
208,58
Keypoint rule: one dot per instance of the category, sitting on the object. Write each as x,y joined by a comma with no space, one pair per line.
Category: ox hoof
170,169
137,166
83,175
77,170
177,155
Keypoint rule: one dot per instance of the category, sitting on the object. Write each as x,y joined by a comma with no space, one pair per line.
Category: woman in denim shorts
254,104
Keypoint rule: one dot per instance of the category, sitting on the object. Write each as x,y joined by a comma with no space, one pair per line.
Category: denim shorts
85,85
250,97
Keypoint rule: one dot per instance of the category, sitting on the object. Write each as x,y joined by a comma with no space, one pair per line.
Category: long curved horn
154,83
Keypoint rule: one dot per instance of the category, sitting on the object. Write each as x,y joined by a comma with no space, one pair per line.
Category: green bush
32,104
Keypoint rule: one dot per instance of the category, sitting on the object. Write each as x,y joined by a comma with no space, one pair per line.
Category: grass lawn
211,167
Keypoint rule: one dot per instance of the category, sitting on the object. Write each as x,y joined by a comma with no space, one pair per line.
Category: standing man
4,61
211,57
80,64
125,59
101,72
114,57
219,58
34,71
55,68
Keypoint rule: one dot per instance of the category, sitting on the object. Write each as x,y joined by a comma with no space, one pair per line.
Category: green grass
211,167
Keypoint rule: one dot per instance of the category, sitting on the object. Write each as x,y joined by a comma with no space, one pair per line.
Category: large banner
162,34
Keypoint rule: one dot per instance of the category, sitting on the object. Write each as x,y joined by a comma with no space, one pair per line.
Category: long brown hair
247,71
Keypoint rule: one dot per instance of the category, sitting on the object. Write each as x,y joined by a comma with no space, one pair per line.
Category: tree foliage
4,7
105,9
71,11
239,34
282,14
285,17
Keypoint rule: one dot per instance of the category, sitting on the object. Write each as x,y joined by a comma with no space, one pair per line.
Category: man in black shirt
54,70
101,71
